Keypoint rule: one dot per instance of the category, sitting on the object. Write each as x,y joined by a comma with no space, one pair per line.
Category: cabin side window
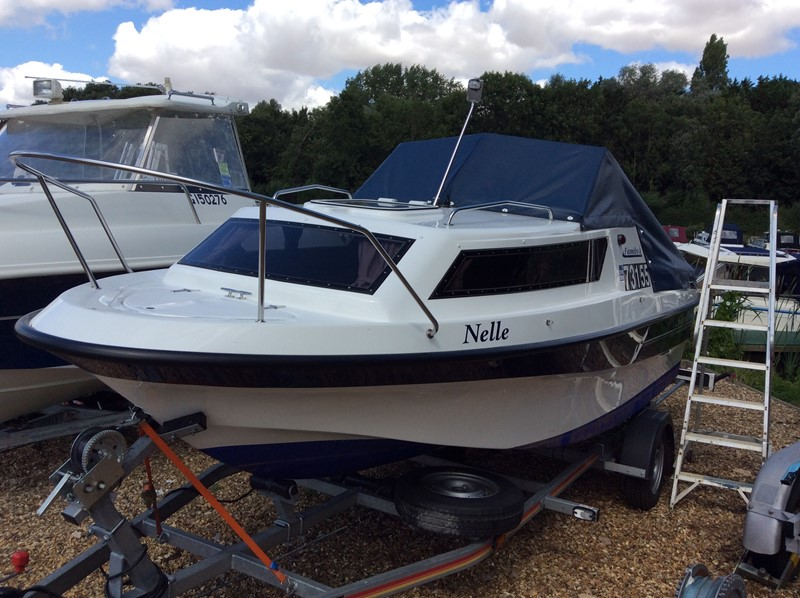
307,254
520,269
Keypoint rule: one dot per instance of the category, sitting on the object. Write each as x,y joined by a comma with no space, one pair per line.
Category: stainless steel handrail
43,180
496,204
262,200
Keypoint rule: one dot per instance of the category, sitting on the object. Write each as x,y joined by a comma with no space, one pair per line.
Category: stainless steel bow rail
262,200
100,461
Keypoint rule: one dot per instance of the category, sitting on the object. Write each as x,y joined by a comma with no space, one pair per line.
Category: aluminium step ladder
713,286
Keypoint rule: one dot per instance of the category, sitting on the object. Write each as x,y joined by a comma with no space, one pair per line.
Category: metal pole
474,91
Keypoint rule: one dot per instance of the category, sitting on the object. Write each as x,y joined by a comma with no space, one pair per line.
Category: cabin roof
578,183
182,102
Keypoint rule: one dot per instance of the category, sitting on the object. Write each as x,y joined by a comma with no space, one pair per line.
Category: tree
712,73
639,80
571,111
511,105
274,140
378,109
683,151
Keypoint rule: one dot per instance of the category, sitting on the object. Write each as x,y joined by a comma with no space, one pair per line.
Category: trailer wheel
649,444
458,502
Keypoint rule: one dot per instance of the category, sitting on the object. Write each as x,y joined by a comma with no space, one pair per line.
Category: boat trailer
60,420
100,460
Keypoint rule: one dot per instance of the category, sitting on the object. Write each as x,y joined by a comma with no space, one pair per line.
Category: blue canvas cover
580,183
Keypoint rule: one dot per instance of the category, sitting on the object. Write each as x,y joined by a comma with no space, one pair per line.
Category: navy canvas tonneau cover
578,182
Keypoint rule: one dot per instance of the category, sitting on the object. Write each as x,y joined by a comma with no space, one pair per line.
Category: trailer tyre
649,444
460,502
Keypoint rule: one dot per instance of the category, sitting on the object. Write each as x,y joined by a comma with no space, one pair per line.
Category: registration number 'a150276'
208,199
635,276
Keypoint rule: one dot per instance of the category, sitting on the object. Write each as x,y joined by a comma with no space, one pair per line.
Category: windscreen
195,145
299,253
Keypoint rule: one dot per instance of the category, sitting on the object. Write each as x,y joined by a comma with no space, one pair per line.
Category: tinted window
518,269
299,253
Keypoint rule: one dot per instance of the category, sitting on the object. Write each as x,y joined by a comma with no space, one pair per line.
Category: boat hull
31,379
311,416
26,391
312,432
153,222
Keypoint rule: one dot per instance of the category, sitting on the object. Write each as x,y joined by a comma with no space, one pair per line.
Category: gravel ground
625,553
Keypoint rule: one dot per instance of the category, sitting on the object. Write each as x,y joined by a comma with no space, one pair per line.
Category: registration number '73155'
635,276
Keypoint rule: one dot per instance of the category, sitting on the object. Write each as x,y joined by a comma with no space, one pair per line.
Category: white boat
154,221
537,302
738,261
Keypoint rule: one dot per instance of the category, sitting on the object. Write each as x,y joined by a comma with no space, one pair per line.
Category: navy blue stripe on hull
325,371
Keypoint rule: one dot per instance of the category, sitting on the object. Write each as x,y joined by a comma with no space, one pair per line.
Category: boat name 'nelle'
478,334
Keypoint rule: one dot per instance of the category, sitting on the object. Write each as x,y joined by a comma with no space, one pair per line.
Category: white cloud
16,83
277,50
36,12
750,27
681,67
281,50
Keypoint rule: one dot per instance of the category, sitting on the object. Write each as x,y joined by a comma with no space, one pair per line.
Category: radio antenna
474,91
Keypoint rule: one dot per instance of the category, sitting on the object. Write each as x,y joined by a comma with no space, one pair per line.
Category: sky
301,52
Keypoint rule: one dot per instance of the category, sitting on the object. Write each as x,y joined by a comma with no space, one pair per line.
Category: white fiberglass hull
494,414
25,391
153,222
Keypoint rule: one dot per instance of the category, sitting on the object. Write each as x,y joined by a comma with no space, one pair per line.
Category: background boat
749,262
154,221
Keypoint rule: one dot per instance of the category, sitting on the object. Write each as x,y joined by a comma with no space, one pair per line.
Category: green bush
722,341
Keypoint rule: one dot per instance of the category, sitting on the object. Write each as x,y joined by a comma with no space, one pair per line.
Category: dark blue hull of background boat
21,296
